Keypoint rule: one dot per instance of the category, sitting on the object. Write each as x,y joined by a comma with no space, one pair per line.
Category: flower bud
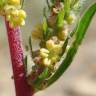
19,21
54,59
9,8
22,14
14,13
71,18
44,50
50,44
22,23
57,49
63,34
47,62
44,53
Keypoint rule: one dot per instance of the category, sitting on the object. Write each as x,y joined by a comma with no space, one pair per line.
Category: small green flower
71,18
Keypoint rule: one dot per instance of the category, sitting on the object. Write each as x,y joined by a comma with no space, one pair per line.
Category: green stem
67,4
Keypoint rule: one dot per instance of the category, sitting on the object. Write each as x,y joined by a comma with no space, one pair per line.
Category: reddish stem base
21,86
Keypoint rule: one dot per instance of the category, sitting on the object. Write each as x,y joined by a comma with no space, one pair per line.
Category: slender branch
22,89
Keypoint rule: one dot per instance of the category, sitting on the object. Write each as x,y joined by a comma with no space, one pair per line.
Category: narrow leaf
44,25
25,64
40,78
80,33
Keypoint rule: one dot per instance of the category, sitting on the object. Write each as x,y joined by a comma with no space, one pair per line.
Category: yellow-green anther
47,62
44,52
43,55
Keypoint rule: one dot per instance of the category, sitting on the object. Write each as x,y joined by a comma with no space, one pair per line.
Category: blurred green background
78,80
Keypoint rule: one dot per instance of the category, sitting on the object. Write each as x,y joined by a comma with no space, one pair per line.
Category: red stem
21,86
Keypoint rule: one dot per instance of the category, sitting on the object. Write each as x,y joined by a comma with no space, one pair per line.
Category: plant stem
22,89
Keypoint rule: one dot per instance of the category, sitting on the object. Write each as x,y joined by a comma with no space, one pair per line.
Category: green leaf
30,43
40,78
25,63
44,26
30,46
22,3
80,33
71,34
65,46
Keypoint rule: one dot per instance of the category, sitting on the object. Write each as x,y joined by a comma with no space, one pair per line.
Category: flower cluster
50,54
52,34
11,9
